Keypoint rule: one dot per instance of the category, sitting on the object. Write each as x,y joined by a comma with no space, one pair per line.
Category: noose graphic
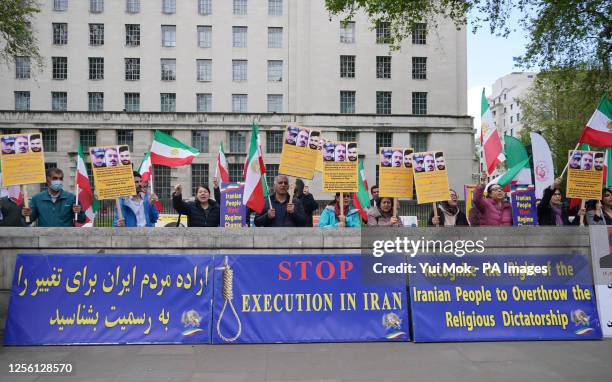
228,295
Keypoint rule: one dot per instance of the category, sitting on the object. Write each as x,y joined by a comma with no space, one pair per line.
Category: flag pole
567,164
582,205
76,215
26,202
435,212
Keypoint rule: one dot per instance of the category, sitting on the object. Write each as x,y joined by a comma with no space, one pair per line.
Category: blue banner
503,297
523,200
233,212
303,298
109,299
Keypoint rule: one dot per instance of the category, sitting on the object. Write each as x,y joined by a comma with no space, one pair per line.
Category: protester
282,212
552,210
494,210
382,214
308,202
137,210
216,190
331,214
601,214
10,213
202,212
449,214
374,191
54,207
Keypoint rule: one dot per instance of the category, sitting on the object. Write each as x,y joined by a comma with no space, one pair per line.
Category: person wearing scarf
552,210
601,214
449,214
331,214
382,214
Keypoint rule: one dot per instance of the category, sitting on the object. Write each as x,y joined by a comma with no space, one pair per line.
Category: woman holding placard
382,214
552,210
602,213
449,214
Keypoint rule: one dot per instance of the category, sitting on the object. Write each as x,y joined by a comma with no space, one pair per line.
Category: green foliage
16,36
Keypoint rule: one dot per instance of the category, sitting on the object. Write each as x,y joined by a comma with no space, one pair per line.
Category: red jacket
490,212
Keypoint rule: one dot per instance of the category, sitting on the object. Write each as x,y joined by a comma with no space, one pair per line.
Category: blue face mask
56,185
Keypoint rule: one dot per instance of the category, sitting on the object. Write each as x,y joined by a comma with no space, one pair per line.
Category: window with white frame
347,136
274,142
419,34
383,139
125,138
22,101
240,7
204,36
96,6
204,104
383,66
22,67
168,36
60,33
132,69
199,176
275,70
419,68
347,32
204,68
96,68
383,102
235,171
59,101
162,181
205,7
239,103
96,34
168,69
347,102
239,70
199,140
132,102
275,37
59,68
132,6
237,140
132,34
419,103
347,66
419,141
168,102
169,6
272,171
60,5
275,103
95,101
383,33
239,37
275,7
49,137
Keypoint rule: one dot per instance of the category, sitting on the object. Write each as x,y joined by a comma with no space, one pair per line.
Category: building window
199,176
168,36
168,102
96,6
235,171
275,7
48,165
10,131
274,142
347,66
199,140
419,68
204,36
237,140
132,102
59,67
60,6
275,103
132,69
132,34
49,138
419,142
96,34
239,70
240,7
511,106
132,6
275,70
60,33
169,6
511,119
96,101
125,137
383,140
347,136
383,66
347,32
347,102
22,67
162,181
419,35
383,33
271,174
239,37
59,101
204,68
275,37
419,103
88,138
205,7
383,102
377,176
239,103
168,69
96,68
518,117
204,103
22,101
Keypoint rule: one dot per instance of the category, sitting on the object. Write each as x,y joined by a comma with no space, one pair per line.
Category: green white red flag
361,199
489,137
85,196
146,168
170,152
598,131
222,166
255,188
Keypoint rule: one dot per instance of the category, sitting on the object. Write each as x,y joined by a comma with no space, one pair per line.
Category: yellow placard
430,177
468,191
300,152
395,172
112,172
340,170
585,174
319,162
23,159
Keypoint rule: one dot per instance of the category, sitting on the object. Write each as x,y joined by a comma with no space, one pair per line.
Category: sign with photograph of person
301,146
112,171
585,174
395,175
430,177
340,161
319,162
23,159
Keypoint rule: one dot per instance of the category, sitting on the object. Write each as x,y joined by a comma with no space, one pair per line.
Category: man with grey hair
283,212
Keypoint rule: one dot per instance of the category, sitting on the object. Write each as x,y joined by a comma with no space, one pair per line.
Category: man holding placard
136,210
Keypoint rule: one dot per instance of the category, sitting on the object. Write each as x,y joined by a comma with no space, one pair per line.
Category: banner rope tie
228,296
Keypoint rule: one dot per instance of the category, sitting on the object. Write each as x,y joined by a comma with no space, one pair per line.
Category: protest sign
585,174
340,165
468,195
300,151
233,212
523,200
22,158
430,177
112,171
396,176
601,258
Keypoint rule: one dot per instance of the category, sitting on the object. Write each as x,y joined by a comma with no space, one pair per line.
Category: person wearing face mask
449,214
382,214
202,212
494,210
54,207
331,216
137,210
552,210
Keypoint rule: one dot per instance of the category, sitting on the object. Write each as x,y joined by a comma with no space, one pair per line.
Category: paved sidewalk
358,362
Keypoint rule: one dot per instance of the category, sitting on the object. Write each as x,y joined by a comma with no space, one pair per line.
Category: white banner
544,172
601,258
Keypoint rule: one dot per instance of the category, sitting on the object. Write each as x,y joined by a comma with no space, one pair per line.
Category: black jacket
310,206
546,216
460,220
196,215
10,214
282,218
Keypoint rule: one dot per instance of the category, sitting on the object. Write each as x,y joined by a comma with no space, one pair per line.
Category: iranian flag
517,160
607,181
598,131
170,152
146,168
489,137
255,188
361,199
222,165
85,195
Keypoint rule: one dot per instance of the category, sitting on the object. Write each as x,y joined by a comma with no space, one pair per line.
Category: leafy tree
16,36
